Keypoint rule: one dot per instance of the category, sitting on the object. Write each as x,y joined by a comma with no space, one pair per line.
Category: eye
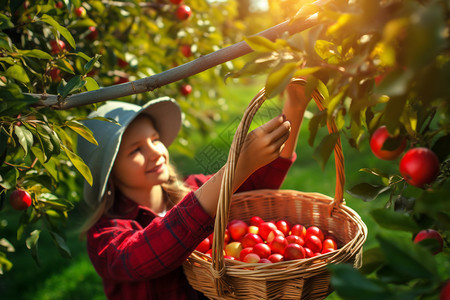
135,150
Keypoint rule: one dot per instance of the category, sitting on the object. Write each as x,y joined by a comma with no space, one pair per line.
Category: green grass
60,278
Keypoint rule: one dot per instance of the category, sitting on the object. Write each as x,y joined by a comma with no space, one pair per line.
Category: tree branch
180,72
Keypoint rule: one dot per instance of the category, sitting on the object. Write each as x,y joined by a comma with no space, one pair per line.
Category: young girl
146,221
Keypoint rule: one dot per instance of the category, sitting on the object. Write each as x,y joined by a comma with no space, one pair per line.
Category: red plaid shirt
140,255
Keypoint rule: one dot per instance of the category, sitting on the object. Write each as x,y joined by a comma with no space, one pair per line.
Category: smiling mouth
156,169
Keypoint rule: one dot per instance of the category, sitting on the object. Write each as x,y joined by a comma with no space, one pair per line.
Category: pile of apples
269,242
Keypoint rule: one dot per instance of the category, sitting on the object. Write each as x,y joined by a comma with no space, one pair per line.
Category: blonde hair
174,191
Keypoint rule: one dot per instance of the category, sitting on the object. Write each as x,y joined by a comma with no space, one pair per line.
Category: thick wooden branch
180,72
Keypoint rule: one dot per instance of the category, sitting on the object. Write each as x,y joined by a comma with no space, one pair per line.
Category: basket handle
223,207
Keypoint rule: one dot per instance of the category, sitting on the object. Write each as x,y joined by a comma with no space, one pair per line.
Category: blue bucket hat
165,114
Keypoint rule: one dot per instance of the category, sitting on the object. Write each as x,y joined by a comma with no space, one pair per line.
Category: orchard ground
59,278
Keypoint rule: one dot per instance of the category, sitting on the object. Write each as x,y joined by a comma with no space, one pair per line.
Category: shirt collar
128,209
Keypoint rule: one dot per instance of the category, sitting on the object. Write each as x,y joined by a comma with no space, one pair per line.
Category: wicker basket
220,278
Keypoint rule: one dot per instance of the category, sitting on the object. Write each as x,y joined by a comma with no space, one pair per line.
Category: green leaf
325,49
350,284
323,151
319,119
65,66
367,191
36,53
5,22
76,83
61,244
79,165
91,84
83,55
64,32
82,130
375,172
25,138
18,73
407,258
48,164
32,244
8,177
306,71
82,23
261,44
5,264
394,220
373,259
90,64
279,79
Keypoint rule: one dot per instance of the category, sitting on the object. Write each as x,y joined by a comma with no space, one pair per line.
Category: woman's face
142,160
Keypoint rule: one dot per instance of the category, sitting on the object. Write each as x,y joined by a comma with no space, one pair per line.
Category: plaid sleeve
271,176
121,250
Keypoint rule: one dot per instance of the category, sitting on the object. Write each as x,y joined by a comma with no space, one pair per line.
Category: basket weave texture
219,278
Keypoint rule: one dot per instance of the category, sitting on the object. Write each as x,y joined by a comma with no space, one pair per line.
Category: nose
154,150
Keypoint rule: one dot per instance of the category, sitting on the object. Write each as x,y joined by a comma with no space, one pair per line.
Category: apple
233,249
80,12
255,221
265,228
276,257
20,199
430,234
59,4
250,240
120,79
183,12
57,46
237,229
377,141
295,239
314,230
278,244
308,252
229,257
186,50
55,75
186,89
294,251
298,230
273,234
226,237
253,229
329,243
314,243
419,166
176,1
283,226
264,261
244,252
121,63
252,258
204,245
93,33
262,249
326,250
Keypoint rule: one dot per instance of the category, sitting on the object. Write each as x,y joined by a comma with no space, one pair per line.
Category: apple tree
380,64
72,46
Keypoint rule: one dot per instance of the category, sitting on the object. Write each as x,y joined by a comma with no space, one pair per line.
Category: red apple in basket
244,252
313,243
314,230
204,245
264,261
253,229
278,244
262,249
273,234
256,220
276,257
295,239
237,229
329,243
294,251
250,240
283,226
265,228
252,258
309,253
298,230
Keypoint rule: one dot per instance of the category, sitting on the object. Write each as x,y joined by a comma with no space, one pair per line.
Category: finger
281,130
273,124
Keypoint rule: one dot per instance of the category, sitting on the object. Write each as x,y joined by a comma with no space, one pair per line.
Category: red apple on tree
379,137
430,234
57,46
419,166
183,12
186,50
445,291
176,1
20,199
80,12
59,4
93,33
186,89
55,75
